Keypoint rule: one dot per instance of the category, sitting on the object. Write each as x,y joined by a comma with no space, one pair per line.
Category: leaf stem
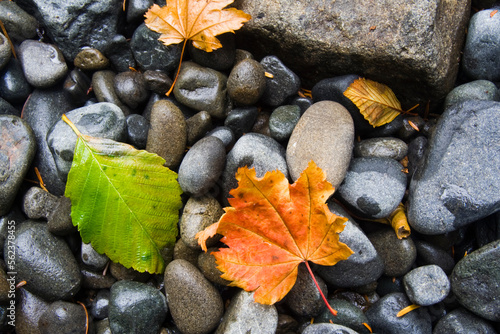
66,119
332,311
178,69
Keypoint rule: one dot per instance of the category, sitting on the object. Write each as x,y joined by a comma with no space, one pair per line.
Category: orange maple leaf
272,227
196,20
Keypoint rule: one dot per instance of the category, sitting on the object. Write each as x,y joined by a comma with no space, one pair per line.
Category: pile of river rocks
108,73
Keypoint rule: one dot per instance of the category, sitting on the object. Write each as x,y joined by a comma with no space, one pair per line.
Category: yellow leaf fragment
407,309
398,221
367,326
376,102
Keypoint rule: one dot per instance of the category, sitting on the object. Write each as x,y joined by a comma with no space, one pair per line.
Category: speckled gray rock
63,317
100,304
363,267
282,85
46,261
454,185
136,10
197,126
184,252
348,315
475,90
202,88
382,316
324,134
254,151
91,59
327,329
246,82
426,285
17,22
136,307
241,120
198,214
373,186
474,281
207,265
137,130
382,147
462,321
194,303
152,54
201,166
5,52
157,81
245,313
167,135
283,120
225,134
17,149
103,86
104,120
131,88
398,254
96,280
91,258
428,253
482,46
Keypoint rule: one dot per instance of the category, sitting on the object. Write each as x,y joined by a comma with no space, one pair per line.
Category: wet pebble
184,252
167,135
198,214
103,87
157,81
398,254
208,267
474,281
8,109
136,307
383,147
90,59
428,253
38,203
475,90
327,328
463,321
17,22
373,186
195,305
77,85
13,85
137,130
244,312
219,59
225,134
5,51
246,82
324,134
100,304
136,9
46,262
241,120
29,309
119,53
63,317
119,272
43,64
197,126
96,280
348,315
302,102
17,150
92,258
282,85
426,285
201,166
283,120
131,88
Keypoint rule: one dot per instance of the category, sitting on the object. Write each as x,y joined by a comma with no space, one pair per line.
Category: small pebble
382,147
96,280
463,321
5,51
92,258
13,85
137,130
246,82
426,285
303,103
241,120
77,85
282,85
475,90
348,315
63,317
90,59
131,88
119,272
197,126
207,265
157,81
220,59
119,53
29,309
17,22
225,134
428,253
327,328
282,121
104,89
184,252
100,304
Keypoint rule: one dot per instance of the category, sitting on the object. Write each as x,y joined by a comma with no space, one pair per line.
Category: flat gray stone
475,90
324,134
382,147
319,39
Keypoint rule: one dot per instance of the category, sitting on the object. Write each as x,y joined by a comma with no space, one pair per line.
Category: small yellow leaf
398,221
367,326
407,309
376,102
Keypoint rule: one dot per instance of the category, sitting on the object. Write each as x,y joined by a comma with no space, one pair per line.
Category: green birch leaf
124,201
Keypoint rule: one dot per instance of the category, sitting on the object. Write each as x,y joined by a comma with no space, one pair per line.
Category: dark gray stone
207,265
100,304
201,166
382,147
119,53
92,259
90,59
324,134
480,60
197,126
136,9
45,261
246,82
303,102
220,59
474,281
43,64
77,85
137,130
5,51
462,321
398,254
373,186
416,152
348,315
283,120
150,53
59,221
363,267
38,203
282,85
13,85
73,25
136,307
43,109
104,90
131,88
454,187
29,309
157,81
382,316
241,120
63,317
17,150
428,253
304,298
225,134
184,252
475,90
254,151
96,280
327,329
121,273
321,40
167,135
17,22
426,285
103,120
8,109
202,88
195,305
245,313
102,326
198,214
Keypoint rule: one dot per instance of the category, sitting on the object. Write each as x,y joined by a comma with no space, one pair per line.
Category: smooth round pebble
131,88
13,84
327,329
428,253
90,59
137,130
197,126
475,90
225,134
5,51
157,81
77,85
184,252
29,309
246,82
383,147
426,285
348,315
91,258
63,317
282,121
241,120
100,304
103,86
195,305
96,280
18,22
208,267
220,59
283,84
461,321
